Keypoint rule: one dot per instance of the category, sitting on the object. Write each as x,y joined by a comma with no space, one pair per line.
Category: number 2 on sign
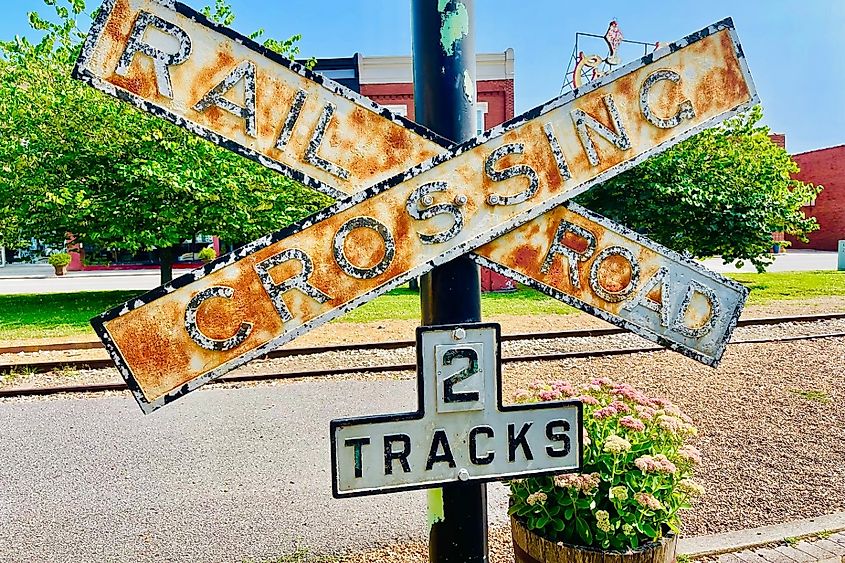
460,377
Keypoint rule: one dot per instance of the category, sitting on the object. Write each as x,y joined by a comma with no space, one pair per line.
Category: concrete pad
755,537
814,550
794,554
773,555
750,557
827,545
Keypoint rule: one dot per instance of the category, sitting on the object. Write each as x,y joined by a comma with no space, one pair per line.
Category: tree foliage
722,192
74,160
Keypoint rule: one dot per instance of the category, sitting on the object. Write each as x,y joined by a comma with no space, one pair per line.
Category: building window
398,109
480,112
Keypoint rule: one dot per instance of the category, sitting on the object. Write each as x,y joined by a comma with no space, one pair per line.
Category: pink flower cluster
626,391
690,454
549,396
647,500
584,482
604,412
564,388
657,464
646,413
675,425
614,408
632,423
555,391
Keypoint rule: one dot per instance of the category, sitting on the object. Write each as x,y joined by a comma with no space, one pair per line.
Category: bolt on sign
460,431
181,335
618,275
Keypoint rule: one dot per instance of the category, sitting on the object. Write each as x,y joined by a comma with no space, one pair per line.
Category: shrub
207,254
59,259
635,476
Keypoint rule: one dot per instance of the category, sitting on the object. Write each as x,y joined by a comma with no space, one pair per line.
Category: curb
717,544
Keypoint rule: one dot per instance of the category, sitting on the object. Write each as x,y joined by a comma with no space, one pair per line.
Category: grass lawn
54,314
779,286
67,314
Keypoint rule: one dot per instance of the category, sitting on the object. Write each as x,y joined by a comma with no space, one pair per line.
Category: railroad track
393,345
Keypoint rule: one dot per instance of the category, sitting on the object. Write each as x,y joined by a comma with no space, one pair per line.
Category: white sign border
419,414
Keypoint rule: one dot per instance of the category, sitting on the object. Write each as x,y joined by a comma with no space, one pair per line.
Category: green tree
76,161
722,192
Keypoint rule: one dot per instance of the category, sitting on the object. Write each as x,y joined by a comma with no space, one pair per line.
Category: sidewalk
809,540
45,271
825,549
40,278
790,261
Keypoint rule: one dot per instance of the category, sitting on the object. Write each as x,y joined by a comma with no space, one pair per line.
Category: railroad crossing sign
618,275
461,430
168,59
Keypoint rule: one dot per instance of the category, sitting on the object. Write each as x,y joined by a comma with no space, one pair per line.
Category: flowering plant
636,472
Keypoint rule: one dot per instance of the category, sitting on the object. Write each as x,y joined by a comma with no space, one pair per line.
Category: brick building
826,167
389,82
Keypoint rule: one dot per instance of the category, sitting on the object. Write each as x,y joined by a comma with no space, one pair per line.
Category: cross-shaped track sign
424,205
461,428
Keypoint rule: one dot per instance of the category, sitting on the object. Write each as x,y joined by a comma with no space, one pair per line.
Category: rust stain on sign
202,325
232,91
620,276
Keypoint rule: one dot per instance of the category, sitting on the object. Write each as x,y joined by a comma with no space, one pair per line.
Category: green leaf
542,521
583,530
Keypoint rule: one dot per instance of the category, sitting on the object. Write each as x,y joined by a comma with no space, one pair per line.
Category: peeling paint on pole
454,25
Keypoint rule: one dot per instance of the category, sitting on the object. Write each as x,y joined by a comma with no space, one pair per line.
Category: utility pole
444,101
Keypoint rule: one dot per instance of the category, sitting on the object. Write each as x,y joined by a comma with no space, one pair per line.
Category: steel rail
258,377
394,344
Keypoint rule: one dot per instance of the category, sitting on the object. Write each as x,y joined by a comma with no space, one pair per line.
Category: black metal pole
444,101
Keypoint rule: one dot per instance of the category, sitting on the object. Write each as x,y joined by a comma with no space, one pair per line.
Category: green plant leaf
583,530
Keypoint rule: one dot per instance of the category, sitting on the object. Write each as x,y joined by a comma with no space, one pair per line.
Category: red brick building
389,82
827,168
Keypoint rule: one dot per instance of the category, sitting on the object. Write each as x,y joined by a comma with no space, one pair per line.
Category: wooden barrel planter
528,547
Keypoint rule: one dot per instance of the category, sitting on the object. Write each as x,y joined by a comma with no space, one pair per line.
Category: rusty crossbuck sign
408,204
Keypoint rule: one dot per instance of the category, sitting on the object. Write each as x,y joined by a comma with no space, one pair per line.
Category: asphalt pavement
39,278
220,475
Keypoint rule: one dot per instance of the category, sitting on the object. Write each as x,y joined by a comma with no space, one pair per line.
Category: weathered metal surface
460,431
168,59
611,272
286,283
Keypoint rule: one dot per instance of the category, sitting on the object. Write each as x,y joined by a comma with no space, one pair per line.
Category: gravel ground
771,417
771,423
366,358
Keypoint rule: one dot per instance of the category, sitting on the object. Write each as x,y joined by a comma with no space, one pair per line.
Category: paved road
790,261
222,475
39,278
